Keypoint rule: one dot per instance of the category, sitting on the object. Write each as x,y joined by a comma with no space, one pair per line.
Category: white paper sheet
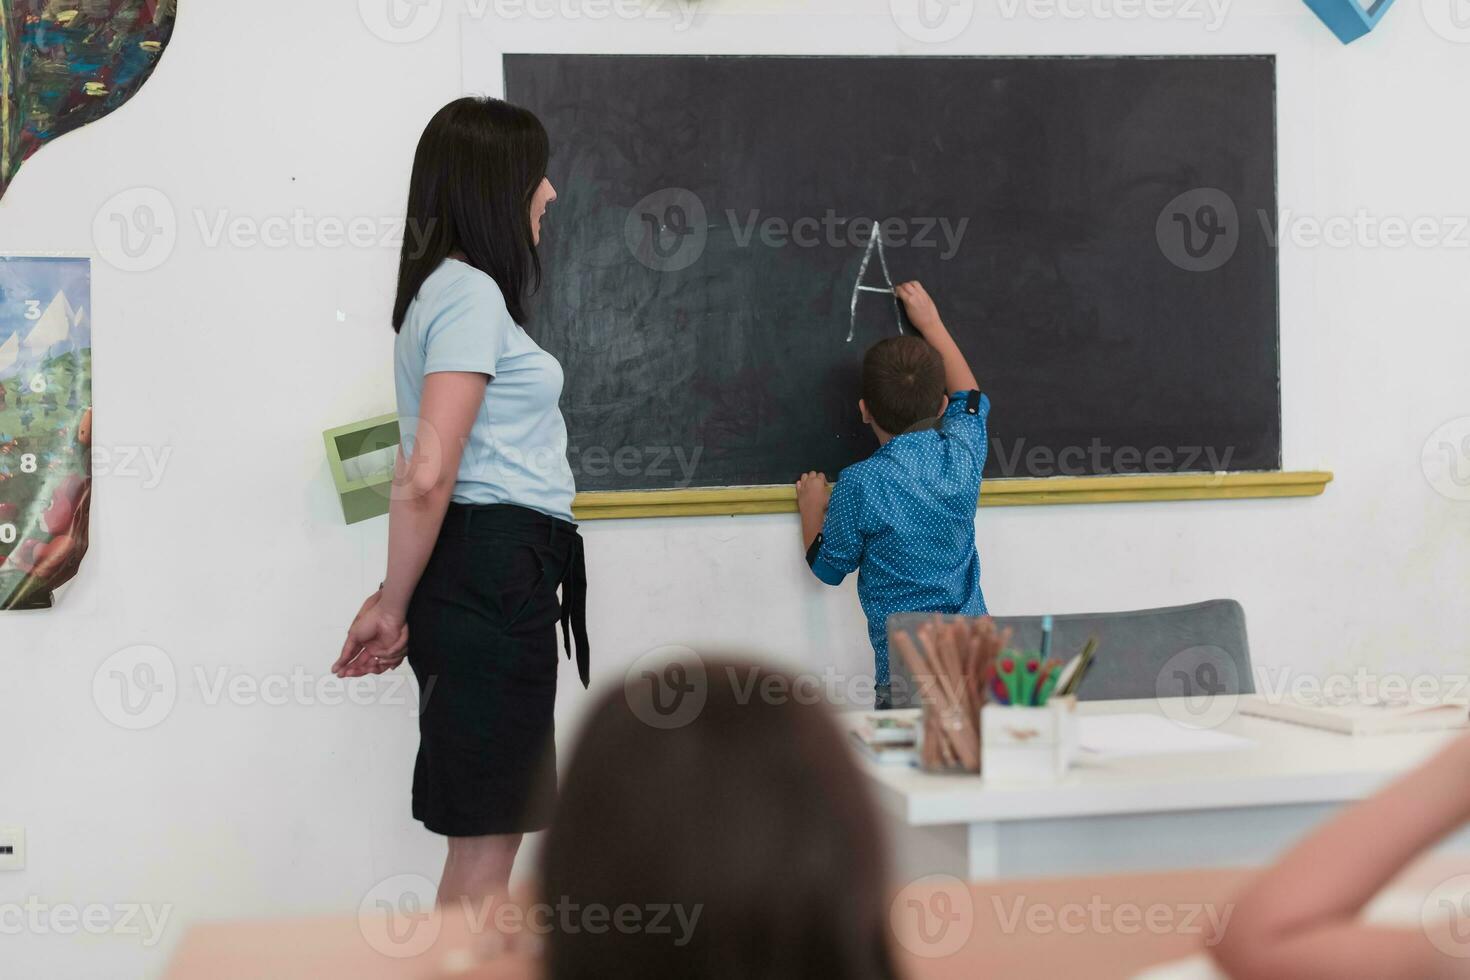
1120,736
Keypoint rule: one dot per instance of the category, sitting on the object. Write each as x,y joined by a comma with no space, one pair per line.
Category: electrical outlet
12,849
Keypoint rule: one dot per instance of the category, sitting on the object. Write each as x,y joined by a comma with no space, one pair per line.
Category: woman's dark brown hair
477,167
752,817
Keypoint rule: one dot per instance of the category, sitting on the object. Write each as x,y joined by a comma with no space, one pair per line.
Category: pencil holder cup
1028,744
947,741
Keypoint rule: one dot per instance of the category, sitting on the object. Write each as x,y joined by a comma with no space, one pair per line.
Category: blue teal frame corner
1347,18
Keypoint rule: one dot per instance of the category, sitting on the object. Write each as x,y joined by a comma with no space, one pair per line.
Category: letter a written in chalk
875,247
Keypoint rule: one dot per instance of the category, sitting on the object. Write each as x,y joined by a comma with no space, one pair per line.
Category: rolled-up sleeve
838,550
967,419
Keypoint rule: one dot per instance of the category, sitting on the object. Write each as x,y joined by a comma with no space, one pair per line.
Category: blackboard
1045,202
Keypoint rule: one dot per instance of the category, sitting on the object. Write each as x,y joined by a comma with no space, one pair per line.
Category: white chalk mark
862,271
875,244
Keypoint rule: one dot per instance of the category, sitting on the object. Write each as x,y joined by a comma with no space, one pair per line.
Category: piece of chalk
876,289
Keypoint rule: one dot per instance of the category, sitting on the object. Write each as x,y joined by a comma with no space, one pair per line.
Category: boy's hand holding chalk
924,315
919,305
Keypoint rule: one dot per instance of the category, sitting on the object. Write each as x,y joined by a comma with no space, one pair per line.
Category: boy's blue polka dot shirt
904,520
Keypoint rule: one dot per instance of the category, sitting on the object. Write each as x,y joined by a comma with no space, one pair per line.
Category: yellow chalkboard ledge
365,496
996,493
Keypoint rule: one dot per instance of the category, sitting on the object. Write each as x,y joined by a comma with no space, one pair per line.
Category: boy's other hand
923,314
812,493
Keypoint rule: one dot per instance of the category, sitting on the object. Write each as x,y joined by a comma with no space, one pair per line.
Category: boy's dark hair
903,383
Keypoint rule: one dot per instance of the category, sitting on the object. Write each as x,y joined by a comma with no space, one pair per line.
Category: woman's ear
863,410
943,406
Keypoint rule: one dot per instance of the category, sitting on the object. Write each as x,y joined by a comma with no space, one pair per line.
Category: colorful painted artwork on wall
66,63
45,426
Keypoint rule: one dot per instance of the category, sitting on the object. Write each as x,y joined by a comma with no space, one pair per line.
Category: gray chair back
1175,652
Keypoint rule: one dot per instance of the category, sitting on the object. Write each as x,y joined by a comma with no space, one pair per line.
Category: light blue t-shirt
517,452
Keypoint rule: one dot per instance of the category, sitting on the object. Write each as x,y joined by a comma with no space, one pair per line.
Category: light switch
12,849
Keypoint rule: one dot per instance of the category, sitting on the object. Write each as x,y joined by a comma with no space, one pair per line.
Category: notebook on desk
887,737
1361,715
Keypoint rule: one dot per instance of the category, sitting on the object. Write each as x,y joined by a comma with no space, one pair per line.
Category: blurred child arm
1301,918
924,315
830,526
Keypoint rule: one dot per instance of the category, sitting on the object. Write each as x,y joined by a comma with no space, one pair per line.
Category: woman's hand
376,643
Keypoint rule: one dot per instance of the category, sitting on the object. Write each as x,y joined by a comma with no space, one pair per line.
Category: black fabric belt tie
574,607
566,541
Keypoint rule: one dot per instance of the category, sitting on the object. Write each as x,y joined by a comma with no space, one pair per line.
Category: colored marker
1009,677
1084,663
1028,678
1048,683
1046,625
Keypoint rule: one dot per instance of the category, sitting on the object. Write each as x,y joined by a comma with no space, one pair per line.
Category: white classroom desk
1142,813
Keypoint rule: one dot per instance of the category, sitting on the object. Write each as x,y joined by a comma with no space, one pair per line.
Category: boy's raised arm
924,315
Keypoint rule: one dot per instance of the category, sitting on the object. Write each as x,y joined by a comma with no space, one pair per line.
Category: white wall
232,359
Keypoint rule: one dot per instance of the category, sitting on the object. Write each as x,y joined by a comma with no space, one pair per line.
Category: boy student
904,518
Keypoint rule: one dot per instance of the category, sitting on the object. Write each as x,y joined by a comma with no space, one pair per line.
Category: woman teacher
480,529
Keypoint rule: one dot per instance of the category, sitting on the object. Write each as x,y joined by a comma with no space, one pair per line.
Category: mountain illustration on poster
45,426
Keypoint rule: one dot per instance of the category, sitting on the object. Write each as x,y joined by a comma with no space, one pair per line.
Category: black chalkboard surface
1090,227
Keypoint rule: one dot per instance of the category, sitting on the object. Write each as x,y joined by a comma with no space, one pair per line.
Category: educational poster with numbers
45,425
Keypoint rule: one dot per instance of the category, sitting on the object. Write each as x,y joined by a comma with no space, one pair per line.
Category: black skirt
482,643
